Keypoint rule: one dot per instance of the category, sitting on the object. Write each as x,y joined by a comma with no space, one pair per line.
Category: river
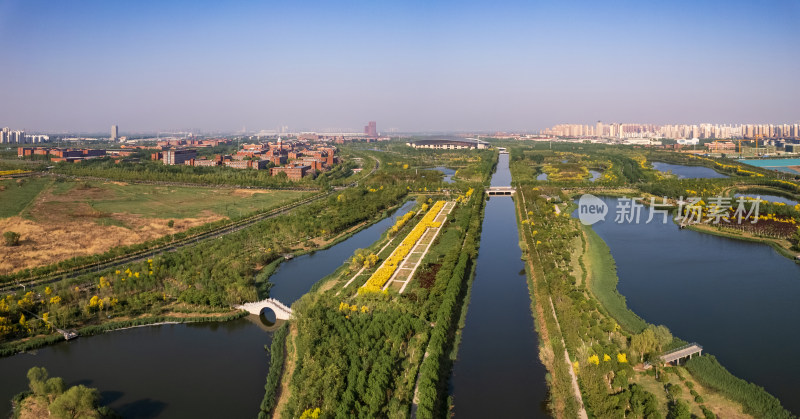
687,172
177,371
498,373
737,299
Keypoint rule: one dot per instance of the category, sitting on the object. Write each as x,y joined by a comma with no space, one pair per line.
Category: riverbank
37,342
710,377
783,247
262,278
565,397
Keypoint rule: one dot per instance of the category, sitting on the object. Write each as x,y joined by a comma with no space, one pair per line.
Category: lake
737,299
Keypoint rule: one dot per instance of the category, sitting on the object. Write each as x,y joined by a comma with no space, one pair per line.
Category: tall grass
757,402
603,283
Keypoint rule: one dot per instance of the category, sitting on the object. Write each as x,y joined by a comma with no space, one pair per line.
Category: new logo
591,209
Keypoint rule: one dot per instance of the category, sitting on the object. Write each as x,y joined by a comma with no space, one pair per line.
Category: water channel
209,370
737,299
448,173
498,373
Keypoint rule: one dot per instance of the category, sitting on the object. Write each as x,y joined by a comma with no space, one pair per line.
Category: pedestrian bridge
683,352
281,311
501,191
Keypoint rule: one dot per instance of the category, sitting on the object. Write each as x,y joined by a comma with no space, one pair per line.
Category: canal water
209,370
595,175
688,172
498,373
737,299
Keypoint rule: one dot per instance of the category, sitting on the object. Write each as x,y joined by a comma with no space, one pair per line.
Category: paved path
406,269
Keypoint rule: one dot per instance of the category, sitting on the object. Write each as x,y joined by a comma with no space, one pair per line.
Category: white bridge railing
281,310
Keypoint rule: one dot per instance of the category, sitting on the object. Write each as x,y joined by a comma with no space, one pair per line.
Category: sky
430,65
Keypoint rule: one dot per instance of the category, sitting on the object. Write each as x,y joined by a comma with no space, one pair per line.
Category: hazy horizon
413,66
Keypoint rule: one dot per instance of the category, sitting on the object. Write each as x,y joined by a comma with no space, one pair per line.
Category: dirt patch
427,276
33,408
249,192
63,237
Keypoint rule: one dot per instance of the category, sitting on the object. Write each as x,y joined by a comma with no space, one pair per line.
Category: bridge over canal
501,191
281,311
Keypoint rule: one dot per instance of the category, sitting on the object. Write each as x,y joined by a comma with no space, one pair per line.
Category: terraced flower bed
386,270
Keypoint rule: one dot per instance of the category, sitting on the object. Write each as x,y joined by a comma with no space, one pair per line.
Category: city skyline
415,67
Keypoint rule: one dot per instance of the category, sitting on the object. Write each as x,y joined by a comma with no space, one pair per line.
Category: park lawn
149,201
17,194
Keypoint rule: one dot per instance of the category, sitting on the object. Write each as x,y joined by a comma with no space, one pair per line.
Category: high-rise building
114,132
371,130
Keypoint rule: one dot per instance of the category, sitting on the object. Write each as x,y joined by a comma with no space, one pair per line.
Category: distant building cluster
8,136
445,144
294,158
183,142
702,131
70,154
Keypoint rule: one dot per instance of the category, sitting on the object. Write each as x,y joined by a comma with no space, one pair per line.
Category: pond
688,172
448,173
770,198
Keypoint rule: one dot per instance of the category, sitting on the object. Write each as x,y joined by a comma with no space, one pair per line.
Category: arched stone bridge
281,311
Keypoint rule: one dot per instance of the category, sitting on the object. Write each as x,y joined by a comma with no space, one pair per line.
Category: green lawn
16,196
175,201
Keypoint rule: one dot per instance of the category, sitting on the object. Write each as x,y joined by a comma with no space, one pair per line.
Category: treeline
450,284
277,356
757,402
156,171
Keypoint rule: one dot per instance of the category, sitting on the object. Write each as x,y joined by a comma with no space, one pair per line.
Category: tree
11,238
679,410
663,336
37,380
77,402
643,343
674,391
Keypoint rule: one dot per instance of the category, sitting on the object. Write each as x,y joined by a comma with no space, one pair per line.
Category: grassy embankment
562,403
602,281
705,370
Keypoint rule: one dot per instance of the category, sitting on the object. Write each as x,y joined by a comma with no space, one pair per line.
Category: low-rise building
293,172
178,156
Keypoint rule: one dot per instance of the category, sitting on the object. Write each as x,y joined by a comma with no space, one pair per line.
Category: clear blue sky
411,65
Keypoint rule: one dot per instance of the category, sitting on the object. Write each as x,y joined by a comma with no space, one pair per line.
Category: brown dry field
71,230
